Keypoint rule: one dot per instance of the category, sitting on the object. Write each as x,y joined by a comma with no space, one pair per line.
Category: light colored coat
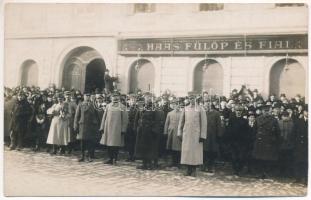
113,123
171,129
192,126
59,128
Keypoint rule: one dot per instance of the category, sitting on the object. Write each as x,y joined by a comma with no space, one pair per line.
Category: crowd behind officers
193,131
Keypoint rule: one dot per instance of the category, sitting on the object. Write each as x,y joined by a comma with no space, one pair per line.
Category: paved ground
39,174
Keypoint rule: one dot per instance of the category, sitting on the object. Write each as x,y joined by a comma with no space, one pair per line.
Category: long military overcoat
266,146
114,122
192,126
86,121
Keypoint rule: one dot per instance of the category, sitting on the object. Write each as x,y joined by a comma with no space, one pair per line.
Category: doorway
94,77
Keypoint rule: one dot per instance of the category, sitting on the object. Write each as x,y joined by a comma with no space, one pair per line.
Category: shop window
144,7
211,6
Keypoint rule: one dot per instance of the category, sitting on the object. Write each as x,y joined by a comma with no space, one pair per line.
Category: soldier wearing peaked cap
86,123
113,127
130,136
72,106
173,143
145,125
192,130
266,141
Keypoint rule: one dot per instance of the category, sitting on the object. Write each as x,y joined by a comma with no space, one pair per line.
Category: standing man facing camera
113,126
85,123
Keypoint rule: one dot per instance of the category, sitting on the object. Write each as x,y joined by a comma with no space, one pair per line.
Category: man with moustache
113,126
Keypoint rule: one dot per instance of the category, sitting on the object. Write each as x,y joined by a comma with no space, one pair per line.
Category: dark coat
86,121
21,114
41,128
145,126
286,134
213,131
301,140
267,140
238,131
159,143
130,136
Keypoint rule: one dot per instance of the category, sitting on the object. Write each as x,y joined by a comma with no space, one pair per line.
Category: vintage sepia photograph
141,98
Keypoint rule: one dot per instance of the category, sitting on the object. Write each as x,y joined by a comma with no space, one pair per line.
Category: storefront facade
157,50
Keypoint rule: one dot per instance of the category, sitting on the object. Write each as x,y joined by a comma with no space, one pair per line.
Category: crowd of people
194,131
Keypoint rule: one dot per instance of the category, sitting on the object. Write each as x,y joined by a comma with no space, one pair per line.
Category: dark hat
282,95
285,113
234,90
255,90
192,95
251,113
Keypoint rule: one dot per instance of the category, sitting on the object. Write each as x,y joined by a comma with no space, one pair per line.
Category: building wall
46,33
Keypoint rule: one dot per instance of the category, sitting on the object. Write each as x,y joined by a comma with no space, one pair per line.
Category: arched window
287,76
29,73
208,76
142,76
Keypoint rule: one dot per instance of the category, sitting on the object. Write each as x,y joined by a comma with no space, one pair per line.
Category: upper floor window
289,4
211,6
144,7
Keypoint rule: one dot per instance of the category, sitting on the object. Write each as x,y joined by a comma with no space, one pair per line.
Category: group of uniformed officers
196,130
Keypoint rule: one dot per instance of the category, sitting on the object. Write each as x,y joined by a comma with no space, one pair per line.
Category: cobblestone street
39,174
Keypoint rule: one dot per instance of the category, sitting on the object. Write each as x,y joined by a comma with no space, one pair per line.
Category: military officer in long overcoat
266,145
86,124
192,131
210,145
130,136
113,127
173,143
144,124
